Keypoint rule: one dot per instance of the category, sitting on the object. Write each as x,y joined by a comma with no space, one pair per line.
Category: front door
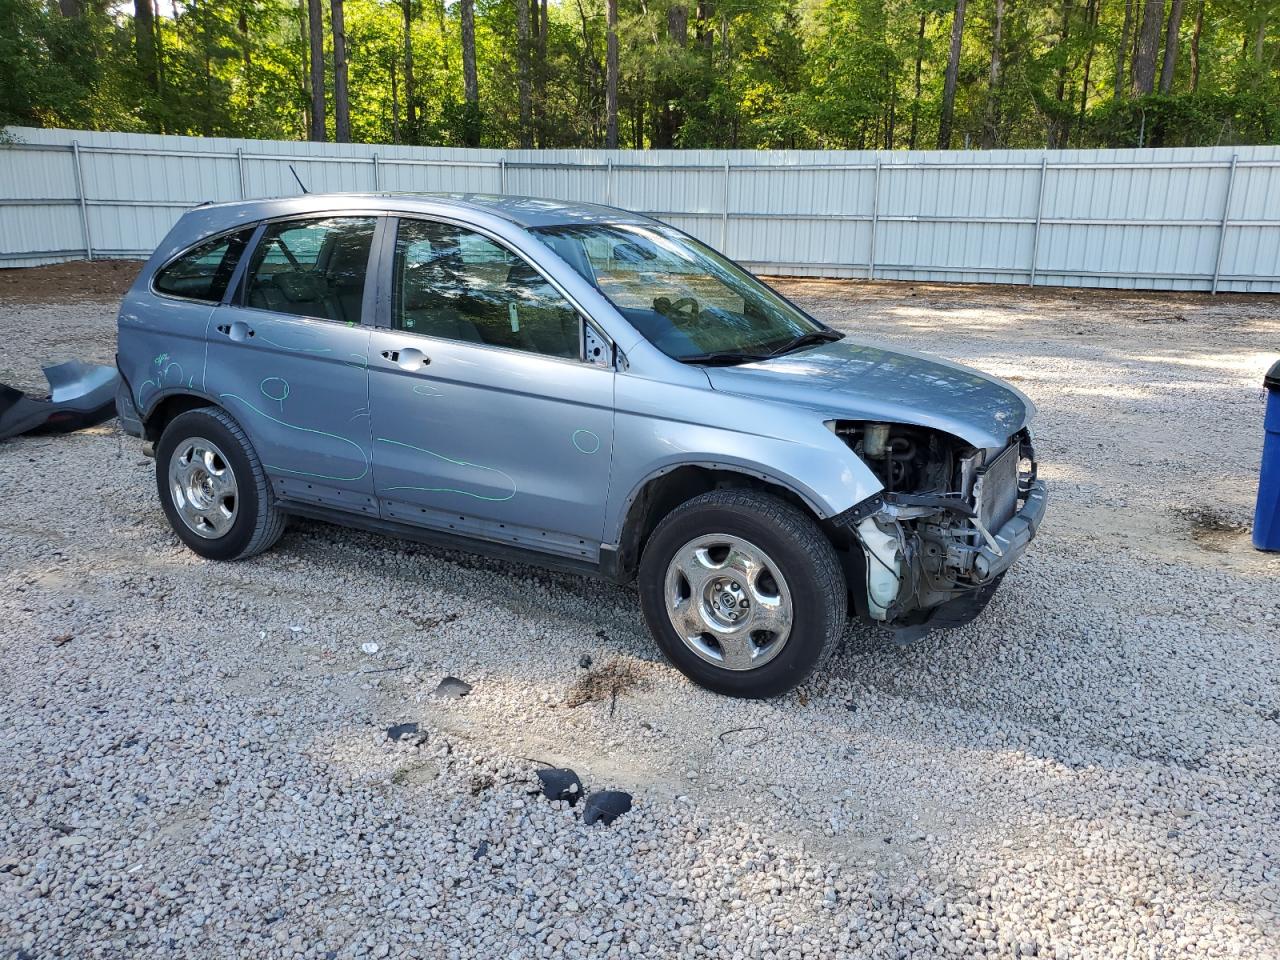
289,358
487,422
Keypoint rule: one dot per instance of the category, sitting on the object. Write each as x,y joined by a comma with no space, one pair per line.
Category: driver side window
456,284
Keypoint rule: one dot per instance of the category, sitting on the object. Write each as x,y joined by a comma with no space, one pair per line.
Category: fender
787,446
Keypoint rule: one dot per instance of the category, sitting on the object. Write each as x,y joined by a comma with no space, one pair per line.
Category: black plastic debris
584,661
481,850
606,806
80,395
451,688
405,731
560,783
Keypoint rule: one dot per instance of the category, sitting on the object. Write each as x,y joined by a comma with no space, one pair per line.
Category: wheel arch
163,409
664,489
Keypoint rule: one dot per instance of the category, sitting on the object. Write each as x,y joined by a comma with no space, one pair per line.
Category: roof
526,212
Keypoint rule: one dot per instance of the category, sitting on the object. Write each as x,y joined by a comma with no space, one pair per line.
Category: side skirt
608,567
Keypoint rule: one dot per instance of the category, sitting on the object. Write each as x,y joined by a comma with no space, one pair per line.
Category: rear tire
743,592
213,489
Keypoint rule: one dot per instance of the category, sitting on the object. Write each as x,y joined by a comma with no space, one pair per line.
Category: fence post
608,188
1035,239
502,175
377,179
875,221
1222,226
244,194
84,207
724,211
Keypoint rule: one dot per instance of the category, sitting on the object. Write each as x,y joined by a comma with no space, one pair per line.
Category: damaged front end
951,519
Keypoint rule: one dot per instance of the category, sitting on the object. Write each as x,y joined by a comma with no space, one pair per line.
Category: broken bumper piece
80,395
1010,541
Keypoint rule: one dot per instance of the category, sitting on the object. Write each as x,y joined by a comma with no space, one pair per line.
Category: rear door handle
410,358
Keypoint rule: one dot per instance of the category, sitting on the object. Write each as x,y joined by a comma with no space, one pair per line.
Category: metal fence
1187,219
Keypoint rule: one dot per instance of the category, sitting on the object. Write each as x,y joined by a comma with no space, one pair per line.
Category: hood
858,381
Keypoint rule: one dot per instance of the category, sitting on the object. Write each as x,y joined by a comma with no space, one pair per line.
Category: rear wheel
743,592
213,488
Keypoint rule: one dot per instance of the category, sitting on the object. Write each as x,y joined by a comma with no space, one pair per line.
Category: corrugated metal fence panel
1188,219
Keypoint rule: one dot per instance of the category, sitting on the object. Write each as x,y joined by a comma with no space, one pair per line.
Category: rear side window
312,268
203,272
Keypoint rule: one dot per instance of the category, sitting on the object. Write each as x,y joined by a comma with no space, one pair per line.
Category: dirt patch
75,281
605,682
1214,529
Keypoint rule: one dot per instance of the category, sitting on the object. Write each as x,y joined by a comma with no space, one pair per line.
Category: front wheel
213,488
743,592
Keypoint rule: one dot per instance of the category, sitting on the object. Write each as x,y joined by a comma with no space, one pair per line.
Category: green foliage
739,74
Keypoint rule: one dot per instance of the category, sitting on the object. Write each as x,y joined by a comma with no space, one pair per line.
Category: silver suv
580,387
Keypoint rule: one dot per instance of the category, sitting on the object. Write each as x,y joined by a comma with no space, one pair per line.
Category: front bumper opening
932,558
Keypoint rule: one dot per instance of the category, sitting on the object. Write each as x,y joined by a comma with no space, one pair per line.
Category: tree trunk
522,73
706,14
315,24
1091,24
542,21
410,103
1171,47
1144,54
1122,51
1064,34
949,83
915,101
1195,47
341,106
470,86
992,132
145,43
306,66
71,8
611,79
669,118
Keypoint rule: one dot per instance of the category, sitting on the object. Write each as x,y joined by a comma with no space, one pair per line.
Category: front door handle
410,358
238,331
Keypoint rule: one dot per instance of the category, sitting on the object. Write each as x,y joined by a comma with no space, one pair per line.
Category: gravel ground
195,760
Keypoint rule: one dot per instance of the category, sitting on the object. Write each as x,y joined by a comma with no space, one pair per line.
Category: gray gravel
194,757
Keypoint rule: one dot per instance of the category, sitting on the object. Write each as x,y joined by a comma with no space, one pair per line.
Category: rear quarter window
203,272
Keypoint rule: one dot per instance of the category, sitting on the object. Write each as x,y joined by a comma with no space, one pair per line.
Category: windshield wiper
723,358
806,340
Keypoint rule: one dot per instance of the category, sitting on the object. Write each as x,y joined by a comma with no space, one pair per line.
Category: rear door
487,421
162,331
288,358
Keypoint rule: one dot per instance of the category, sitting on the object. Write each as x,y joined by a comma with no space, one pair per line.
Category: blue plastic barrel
1266,518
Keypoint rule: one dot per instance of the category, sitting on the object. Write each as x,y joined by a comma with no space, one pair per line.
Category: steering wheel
687,306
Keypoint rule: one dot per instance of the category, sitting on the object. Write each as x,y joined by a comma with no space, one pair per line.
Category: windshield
686,299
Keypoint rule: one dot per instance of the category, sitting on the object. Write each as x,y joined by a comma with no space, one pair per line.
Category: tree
341,101
611,84
410,104
315,33
1122,49
992,138
522,73
1148,45
1171,46
949,82
145,41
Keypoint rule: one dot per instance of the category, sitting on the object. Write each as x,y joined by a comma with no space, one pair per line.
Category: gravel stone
1089,771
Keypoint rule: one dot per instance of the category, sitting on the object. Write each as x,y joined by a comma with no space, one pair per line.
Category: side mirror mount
596,350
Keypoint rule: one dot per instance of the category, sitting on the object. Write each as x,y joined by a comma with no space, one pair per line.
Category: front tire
743,593
213,489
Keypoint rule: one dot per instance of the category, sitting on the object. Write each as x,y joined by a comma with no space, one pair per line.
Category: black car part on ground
80,395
